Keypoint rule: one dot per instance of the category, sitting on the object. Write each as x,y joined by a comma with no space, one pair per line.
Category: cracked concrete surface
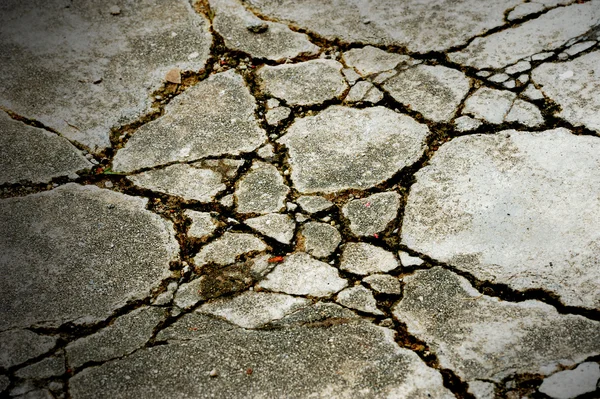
273,198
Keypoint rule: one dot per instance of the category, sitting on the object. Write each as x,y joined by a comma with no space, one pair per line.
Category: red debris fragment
276,259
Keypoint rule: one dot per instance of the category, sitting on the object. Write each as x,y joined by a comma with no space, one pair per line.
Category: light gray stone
276,115
53,366
188,294
227,168
499,78
407,260
547,32
35,155
514,208
364,91
522,79
489,105
320,239
363,259
525,9
227,201
510,84
214,117
466,123
370,60
525,113
384,76
384,284
225,249
88,71
203,224
482,389
95,250
314,203
128,333
261,190
254,309
272,103
350,75
266,152
372,214
166,296
274,225
434,91
350,359
519,67
532,93
305,83
37,394
18,346
418,26
482,337
580,47
182,180
574,86
377,143
299,274
571,383
320,314
359,298
542,56
277,42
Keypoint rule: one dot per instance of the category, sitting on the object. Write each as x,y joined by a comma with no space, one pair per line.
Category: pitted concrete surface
300,199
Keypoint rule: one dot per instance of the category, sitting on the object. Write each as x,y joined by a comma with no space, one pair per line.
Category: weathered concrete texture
305,83
516,208
524,113
364,91
359,298
52,366
225,249
276,115
434,91
314,203
299,274
481,337
547,32
254,309
420,27
87,70
320,239
574,86
274,225
489,105
571,383
214,117
188,294
372,214
363,259
377,143
466,123
182,180
352,359
4,382
370,60
482,389
243,31
261,190
94,250
203,224
384,284
408,260
35,155
18,346
126,334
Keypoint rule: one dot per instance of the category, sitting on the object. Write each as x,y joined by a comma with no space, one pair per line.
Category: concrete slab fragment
359,298
515,208
372,214
490,105
52,366
262,190
225,249
314,203
378,143
320,239
370,60
525,113
214,117
274,225
95,249
363,259
18,346
384,284
572,383
203,224
364,91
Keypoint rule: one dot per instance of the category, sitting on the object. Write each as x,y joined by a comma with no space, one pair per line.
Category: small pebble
213,373
114,10
257,27
193,55
108,184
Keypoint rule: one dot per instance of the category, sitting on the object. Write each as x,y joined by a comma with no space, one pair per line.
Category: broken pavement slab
203,224
275,225
372,214
95,250
489,105
88,71
482,337
225,249
359,298
319,239
364,259
214,117
370,60
18,346
572,383
378,142
262,190
515,208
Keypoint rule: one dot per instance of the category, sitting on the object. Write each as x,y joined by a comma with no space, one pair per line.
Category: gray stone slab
490,105
35,155
372,214
434,91
275,225
261,190
320,314
515,208
547,32
189,294
225,249
203,224
525,113
299,274
482,337
88,71
408,260
182,180
254,309
482,389
37,394
532,93
377,143
574,86
276,115
128,333
370,60
314,203
420,27
320,239
384,284
52,366
18,346
347,360
95,249
270,40
363,259
572,383
364,91
304,83
359,298
214,117
466,123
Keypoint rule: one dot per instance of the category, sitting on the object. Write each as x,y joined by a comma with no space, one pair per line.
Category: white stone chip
482,389
276,115
203,224
364,91
525,113
225,249
580,47
275,225
519,67
532,93
498,78
351,75
364,259
572,383
466,123
489,104
370,60
407,260
359,298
